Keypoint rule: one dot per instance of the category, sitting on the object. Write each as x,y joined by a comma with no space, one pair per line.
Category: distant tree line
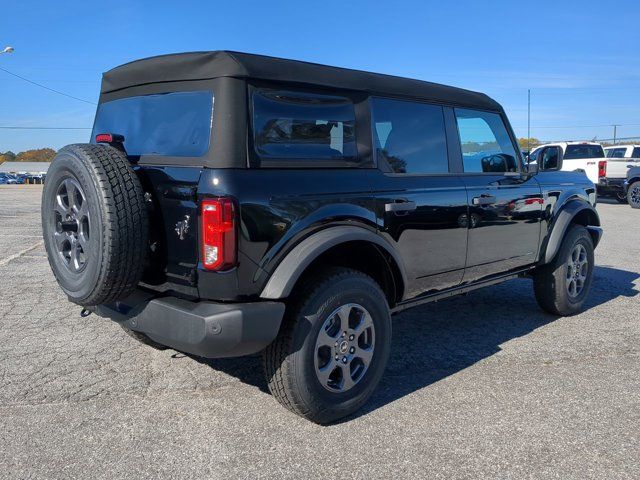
36,155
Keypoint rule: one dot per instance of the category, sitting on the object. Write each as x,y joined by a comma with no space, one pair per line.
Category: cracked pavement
484,385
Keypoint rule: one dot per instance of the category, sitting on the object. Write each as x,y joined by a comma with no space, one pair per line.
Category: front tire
562,286
633,194
333,346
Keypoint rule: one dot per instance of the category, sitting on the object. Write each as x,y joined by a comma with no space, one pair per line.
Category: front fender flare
563,220
287,273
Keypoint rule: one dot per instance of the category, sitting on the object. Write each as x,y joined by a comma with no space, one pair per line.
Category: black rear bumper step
205,329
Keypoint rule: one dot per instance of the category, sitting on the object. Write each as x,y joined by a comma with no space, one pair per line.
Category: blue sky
580,59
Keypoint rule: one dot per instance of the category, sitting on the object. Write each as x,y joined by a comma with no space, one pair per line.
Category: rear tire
562,286
94,223
633,194
320,367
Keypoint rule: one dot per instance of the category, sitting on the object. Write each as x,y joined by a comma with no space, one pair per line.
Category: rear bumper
611,184
206,329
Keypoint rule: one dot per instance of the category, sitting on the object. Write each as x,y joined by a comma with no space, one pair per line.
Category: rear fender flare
290,269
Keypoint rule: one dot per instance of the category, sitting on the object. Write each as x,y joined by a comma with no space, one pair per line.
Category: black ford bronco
230,204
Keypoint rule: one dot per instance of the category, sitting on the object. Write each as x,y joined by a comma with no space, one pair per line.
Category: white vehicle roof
622,146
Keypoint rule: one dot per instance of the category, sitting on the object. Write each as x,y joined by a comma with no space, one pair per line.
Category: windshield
574,152
172,124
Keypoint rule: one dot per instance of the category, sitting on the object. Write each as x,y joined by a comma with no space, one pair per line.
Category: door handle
484,199
400,207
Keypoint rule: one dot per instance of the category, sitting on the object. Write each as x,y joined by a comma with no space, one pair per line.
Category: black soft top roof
209,65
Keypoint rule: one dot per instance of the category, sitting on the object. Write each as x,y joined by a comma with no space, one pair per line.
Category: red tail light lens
104,138
602,168
218,234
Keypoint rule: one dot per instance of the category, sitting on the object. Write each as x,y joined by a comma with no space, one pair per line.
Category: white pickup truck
619,159
587,157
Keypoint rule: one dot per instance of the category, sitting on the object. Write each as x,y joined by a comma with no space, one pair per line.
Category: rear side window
616,152
409,137
575,152
174,124
303,128
486,145
635,153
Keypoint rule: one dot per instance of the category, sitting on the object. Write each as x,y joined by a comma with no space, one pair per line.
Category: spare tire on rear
94,223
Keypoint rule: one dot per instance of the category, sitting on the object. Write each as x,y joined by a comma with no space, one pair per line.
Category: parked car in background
619,159
8,179
587,157
632,186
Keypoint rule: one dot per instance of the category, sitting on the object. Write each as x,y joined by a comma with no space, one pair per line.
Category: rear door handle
484,199
400,207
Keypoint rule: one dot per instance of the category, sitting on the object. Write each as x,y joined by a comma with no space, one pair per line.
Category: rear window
574,152
174,124
304,128
635,153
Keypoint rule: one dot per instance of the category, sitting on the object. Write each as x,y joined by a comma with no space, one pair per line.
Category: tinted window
635,153
486,145
409,137
173,124
574,152
616,152
292,125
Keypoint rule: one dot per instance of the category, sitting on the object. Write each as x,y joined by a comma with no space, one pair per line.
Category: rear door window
176,124
409,137
616,152
301,128
486,145
635,153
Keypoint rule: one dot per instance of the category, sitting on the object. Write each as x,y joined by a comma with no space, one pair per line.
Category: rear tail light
602,168
218,234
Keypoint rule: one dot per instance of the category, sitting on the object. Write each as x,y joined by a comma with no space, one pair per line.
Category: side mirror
550,158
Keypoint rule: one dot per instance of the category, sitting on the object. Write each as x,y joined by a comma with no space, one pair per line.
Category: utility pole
528,119
615,131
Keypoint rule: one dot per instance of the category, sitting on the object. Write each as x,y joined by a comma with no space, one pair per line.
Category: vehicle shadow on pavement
440,339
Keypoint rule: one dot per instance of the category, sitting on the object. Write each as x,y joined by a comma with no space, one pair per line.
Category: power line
47,88
11,127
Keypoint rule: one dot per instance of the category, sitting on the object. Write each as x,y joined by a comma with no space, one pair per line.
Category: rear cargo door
173,249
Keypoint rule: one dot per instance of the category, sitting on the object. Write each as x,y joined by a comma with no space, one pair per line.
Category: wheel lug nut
337,357
352,350
344,334
351,337
344,359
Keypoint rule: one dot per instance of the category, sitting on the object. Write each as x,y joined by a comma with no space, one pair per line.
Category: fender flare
287,273
563,219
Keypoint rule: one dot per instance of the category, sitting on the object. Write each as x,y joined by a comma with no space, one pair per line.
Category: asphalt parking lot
480,386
